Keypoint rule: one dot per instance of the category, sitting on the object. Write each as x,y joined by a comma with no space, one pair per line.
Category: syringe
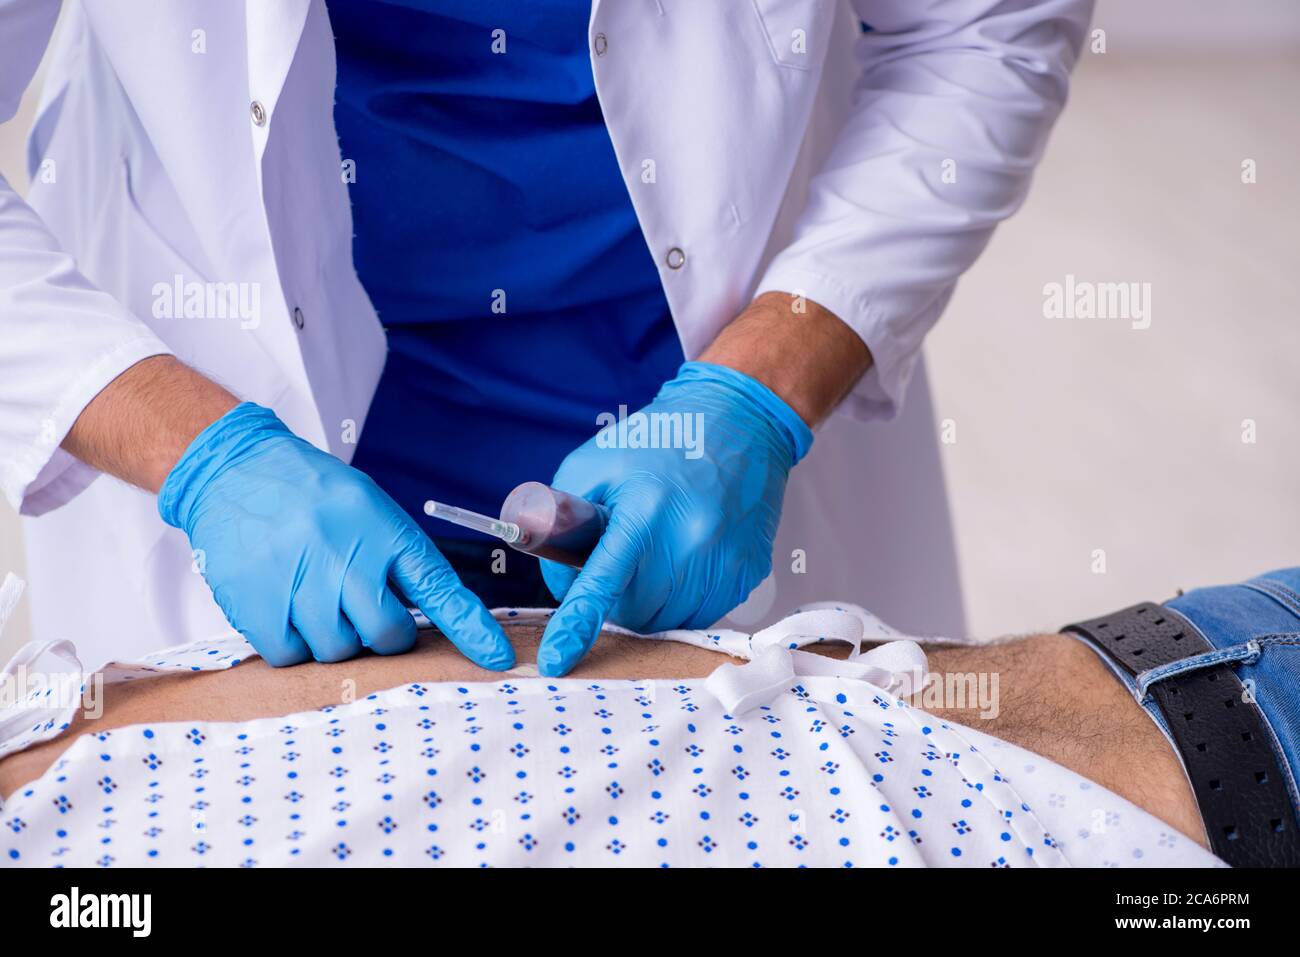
538,520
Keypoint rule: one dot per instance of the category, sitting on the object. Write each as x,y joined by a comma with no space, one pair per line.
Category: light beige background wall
1074,436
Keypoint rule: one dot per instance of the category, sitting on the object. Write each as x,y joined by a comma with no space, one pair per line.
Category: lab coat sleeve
952,107
61,339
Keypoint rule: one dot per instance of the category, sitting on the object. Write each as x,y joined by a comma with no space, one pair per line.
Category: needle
508,532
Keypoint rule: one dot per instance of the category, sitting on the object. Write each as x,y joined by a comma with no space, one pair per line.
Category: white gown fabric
793,759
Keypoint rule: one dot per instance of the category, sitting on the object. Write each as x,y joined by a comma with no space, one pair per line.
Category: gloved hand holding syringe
538,520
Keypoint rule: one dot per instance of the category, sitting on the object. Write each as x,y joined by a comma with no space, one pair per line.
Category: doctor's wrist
797,348
140,424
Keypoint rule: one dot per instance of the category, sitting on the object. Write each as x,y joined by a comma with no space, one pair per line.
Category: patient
1056,699
809,756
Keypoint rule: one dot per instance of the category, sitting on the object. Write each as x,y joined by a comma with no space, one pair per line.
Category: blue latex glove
690,529
302,552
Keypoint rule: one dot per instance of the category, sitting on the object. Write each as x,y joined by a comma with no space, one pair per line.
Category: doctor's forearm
140,424
798,349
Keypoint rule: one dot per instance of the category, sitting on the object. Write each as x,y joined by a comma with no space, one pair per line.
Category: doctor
554,205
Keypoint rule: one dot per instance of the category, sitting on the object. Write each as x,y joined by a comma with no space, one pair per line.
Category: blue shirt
489,177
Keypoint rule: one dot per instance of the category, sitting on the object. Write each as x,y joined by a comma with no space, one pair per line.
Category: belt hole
1201,747
1159,621
1230,703
1277,825
1216,785
1136,652
1230,831
1188,715
1178,637
1247,736
1213,676
1261,777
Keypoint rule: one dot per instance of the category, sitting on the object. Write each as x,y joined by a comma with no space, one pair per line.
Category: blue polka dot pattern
829,771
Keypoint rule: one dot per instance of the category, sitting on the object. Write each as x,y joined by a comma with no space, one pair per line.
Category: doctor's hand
307,556
691,527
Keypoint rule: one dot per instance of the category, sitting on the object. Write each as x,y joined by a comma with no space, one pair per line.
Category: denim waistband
1255,627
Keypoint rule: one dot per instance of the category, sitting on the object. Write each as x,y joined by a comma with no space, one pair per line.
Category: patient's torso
418,761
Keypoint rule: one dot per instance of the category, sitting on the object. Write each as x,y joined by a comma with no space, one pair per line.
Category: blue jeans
1254,627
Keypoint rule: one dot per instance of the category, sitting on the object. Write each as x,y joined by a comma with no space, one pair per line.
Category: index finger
573,629
427,579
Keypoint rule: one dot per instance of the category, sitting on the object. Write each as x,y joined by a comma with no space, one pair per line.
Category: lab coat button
600,43
299,320
259,113
675,259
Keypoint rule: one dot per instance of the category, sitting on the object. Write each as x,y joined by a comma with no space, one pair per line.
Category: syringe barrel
554,524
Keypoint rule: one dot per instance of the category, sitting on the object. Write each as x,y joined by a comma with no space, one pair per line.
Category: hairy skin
1056,699
804,353
138,427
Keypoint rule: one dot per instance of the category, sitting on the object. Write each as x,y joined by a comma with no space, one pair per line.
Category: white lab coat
766,144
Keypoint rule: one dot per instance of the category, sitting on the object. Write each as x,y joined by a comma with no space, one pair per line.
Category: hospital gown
791,760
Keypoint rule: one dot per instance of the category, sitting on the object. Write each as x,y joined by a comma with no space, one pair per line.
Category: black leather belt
1226,744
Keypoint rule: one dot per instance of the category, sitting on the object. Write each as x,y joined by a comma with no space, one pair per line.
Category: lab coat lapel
274,28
